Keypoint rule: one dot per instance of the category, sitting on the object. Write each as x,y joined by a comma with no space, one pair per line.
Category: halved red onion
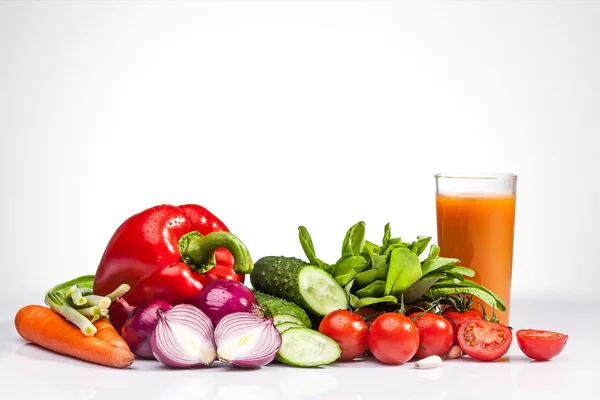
183,337
246,340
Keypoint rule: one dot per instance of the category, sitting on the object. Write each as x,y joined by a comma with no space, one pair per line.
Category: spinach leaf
419,245
434,251
354,240
347,267
370,247
378,261
367,277
367,301
375,289
394,245
453,278
414,293
309,249
371,254
387,235
437,263
461,271
393,241
355,302
404,271
445,288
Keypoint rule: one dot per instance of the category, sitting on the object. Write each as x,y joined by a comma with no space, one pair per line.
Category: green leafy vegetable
394,246
375,289
371,254
434,264
373,274
347,267
354,240
445,288
366,277
414,293
370,247
405,270
434,251
461,271
309,249
419,245
387,235
356,302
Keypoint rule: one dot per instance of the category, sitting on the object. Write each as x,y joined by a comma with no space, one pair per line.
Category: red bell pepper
170,253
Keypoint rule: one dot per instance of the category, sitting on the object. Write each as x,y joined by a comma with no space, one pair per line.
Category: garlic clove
454,352
429,362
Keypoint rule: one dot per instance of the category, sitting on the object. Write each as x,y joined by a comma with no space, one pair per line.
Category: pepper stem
198,251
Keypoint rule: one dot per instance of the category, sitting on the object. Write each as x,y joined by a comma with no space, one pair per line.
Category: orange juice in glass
475,223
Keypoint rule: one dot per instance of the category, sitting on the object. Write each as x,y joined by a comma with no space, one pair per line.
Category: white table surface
28,371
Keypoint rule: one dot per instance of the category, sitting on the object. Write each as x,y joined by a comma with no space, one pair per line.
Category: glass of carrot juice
475,223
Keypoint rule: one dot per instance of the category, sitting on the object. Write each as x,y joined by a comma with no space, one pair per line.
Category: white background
277,114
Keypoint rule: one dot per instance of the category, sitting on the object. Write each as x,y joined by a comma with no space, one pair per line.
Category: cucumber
302,347
276,307
306,285
287,325
283,318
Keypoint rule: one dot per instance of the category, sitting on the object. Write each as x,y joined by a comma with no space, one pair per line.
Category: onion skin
170,350
137,330
237,325
223,297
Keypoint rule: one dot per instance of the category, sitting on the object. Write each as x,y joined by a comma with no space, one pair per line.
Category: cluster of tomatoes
394,338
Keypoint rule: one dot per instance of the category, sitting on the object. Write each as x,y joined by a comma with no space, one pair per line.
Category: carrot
107,333
44,327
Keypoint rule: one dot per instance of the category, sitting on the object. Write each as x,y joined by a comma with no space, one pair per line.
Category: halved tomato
484,340
541,345
458,318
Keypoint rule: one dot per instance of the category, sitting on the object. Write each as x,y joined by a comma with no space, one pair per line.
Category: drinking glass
475,223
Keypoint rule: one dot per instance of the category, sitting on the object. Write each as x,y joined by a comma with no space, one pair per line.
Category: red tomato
541,345
484,340
393,338
362,312
349,330
366,311
436,335
458,318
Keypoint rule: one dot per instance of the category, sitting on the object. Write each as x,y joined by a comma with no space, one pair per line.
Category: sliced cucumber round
287,325
281,318
320,291
303,347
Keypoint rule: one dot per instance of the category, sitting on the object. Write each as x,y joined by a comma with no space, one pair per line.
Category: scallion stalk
118,292
76,301
100,301
75,294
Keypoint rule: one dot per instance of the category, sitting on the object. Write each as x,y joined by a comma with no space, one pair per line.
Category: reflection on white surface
431,374
307,383
536,375
235,391
200,387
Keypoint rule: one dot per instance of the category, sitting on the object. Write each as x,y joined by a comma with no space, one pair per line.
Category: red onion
118,313
183,337
246,340
138,329
222,297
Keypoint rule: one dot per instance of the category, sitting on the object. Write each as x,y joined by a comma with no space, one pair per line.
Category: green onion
76,301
